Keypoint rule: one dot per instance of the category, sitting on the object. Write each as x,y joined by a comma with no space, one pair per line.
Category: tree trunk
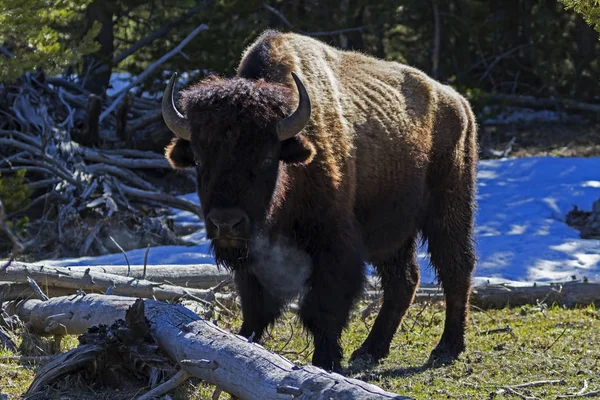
97,81
91,134
435,54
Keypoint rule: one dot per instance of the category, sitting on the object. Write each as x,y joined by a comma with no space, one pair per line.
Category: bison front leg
335,284
259,308
399,275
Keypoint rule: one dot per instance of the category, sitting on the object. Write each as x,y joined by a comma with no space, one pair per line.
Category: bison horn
176,122
294,123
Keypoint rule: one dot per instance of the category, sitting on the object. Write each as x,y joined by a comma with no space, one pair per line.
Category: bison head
241,136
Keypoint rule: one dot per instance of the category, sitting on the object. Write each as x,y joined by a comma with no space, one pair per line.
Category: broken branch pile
82,186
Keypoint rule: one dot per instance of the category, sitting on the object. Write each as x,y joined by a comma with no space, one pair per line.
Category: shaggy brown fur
388,153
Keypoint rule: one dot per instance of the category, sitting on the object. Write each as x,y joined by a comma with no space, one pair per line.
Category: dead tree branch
140,78
163,31
163,198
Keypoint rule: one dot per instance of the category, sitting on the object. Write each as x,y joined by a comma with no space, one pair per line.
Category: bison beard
232,258
387,154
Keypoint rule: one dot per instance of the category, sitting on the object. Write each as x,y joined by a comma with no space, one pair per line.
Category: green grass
543,344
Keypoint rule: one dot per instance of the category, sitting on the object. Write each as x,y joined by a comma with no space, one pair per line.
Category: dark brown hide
388,153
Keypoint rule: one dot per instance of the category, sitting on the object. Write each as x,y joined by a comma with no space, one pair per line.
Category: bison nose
227,223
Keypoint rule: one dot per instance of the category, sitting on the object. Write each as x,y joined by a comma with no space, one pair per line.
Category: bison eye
198,163
267,162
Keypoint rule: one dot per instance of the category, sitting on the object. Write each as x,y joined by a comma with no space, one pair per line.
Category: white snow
520,231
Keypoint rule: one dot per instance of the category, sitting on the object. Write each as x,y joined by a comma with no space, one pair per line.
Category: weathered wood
568,294
97,281
16,291
124,162
133,153
243,369
121,120
203,276
91,134
126,174
145,120
163,198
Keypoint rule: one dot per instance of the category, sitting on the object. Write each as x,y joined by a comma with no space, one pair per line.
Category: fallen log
19,291
96,281
230,362
203,276
568,294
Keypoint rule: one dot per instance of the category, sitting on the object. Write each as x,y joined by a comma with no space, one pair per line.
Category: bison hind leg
399,278
449,236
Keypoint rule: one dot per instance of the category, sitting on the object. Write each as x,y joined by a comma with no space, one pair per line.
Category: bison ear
179,153
297,150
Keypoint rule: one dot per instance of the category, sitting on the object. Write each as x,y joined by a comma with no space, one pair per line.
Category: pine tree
42,34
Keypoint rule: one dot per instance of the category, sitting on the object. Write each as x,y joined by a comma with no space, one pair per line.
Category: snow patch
520,234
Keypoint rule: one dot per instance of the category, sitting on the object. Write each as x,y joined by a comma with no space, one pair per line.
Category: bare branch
500,57
161,32
36,289
133,153
179,378
56,81
121,95
164,198
124,254
124,162
5,51
145,120
126,174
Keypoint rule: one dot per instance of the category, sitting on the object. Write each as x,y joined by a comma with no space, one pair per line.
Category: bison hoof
445,354
329,367
367,355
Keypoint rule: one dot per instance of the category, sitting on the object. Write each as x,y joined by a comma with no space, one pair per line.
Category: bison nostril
227,222
237,224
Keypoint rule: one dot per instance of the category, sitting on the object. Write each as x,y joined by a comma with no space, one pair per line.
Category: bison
313,162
